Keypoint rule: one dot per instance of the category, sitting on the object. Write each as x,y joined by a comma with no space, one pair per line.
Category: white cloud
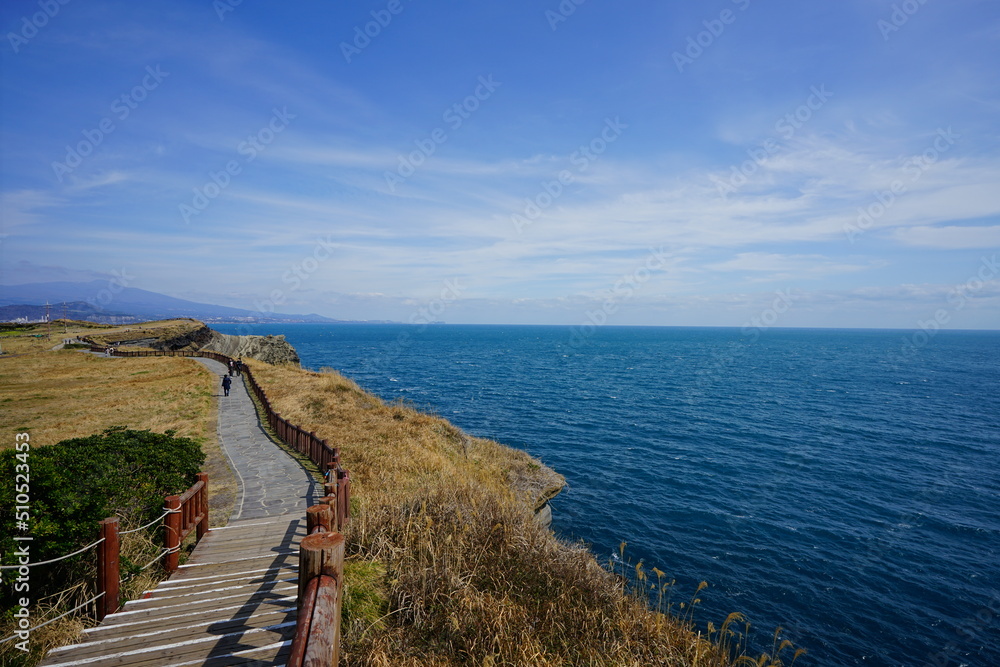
97,181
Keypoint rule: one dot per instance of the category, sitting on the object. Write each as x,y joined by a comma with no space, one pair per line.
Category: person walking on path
226,383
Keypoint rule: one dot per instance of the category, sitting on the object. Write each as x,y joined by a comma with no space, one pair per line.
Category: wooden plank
153,635
232,603
182,617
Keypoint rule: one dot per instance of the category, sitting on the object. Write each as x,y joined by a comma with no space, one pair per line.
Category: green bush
76,483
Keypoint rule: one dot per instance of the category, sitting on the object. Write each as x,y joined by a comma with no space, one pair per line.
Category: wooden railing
305,442
321,575
188,511
182,514
321,552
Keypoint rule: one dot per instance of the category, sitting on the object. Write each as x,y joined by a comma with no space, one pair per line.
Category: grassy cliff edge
457,569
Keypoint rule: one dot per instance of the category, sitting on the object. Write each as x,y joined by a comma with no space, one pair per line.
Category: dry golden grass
68,394
59,395
35,337
41,337
163,329
458,570
381,442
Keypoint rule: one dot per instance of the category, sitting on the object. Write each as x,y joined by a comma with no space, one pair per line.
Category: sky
726,163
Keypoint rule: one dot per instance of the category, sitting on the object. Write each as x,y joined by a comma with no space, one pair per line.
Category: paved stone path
233,602
271,482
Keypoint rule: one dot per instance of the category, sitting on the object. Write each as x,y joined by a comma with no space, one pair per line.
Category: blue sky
513,161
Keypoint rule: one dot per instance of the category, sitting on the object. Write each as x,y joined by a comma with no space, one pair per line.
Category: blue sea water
841,484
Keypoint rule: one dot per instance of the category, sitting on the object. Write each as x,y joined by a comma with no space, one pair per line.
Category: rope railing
193,504
156,520
163,553
54,560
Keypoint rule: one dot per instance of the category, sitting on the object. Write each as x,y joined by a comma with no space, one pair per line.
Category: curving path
233,602
271,482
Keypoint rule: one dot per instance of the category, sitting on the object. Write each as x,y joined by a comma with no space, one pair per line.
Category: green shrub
76,483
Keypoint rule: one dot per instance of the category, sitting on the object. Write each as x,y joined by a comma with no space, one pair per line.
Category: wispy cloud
908,140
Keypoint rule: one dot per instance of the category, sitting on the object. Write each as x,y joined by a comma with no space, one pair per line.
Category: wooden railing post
108,575
322,553
321,581
172,534
343,497
331,502
203,506
319,518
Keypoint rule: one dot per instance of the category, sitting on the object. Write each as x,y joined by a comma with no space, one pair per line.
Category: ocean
841,484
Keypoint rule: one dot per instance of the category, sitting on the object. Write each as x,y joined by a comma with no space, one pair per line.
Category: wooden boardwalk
232,603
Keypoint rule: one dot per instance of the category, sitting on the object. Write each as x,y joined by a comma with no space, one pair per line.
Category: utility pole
48,320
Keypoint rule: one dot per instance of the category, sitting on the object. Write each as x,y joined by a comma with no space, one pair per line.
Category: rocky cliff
269,349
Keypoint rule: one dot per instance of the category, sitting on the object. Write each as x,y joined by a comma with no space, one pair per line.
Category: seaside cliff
269,349
192,335
446,548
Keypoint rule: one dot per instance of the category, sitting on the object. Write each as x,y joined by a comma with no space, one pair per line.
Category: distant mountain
131,302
